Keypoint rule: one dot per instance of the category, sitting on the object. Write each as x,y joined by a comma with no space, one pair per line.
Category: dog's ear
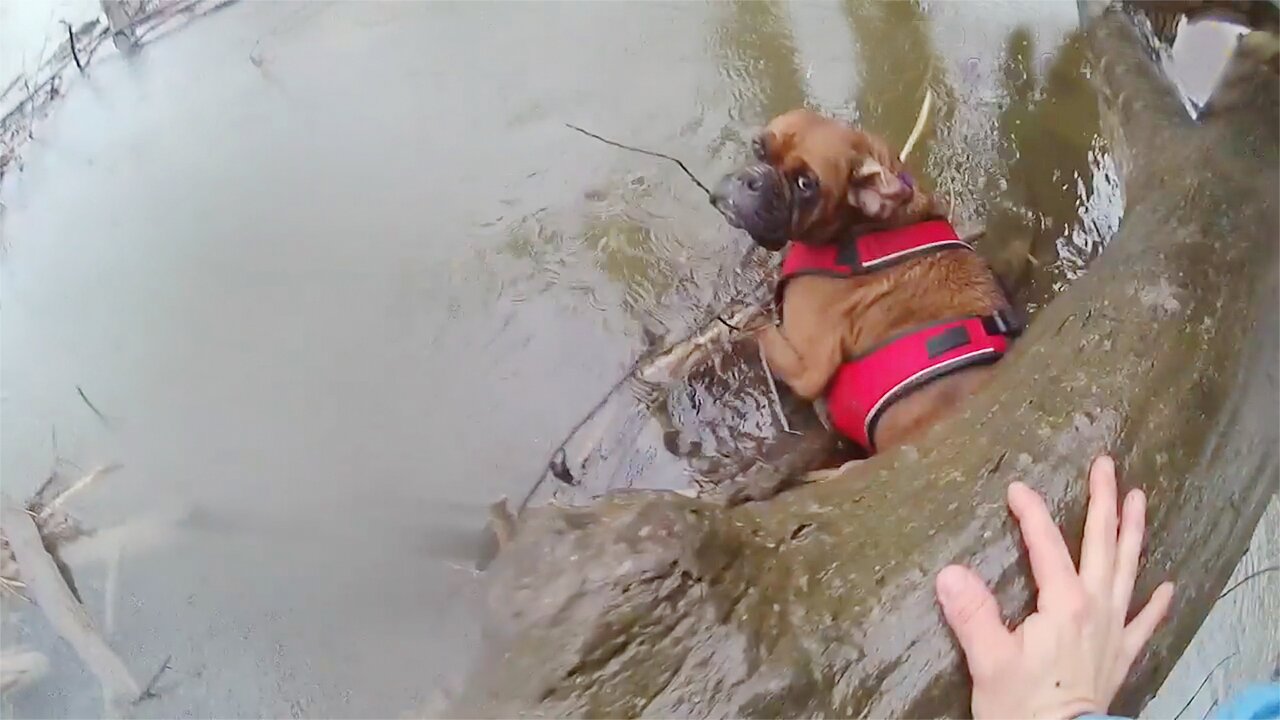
875,187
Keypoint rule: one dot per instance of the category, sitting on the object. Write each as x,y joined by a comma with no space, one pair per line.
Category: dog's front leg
806,376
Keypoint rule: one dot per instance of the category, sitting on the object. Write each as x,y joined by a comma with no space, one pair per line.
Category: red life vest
867,384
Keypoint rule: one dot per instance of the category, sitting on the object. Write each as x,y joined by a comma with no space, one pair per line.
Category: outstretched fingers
1129,551
1098,550
974,616
1051,564
1144,624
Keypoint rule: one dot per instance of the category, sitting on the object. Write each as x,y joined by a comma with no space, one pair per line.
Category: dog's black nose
754,200
747,182
723,192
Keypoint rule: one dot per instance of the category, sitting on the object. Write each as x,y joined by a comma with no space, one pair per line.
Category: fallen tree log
819,602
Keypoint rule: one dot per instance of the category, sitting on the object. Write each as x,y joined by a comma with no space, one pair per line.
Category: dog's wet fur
816,180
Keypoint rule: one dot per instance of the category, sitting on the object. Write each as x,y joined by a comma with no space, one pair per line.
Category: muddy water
337,277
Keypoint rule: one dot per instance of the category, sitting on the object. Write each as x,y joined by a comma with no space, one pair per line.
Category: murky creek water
338,277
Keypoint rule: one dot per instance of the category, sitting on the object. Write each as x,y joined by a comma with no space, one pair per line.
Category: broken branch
50,592
76,487
921,119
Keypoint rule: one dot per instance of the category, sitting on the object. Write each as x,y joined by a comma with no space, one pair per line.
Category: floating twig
37,498
92,407
71,40
1247,578
1204,682
679,357
773,393
68,617
642,151
556,464
14,587
149,691
551,466
76,487
654,368
921,119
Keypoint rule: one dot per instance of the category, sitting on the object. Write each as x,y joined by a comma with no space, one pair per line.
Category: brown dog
817,182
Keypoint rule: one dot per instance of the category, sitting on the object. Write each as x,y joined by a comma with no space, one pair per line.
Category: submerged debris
49,590
32,537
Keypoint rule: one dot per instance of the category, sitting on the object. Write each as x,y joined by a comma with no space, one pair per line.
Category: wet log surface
819,602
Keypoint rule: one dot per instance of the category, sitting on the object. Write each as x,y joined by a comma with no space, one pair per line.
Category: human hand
1071,655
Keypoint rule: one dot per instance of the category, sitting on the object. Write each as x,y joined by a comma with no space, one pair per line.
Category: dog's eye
806,184
757,149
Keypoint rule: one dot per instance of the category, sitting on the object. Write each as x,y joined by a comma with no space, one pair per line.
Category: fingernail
1104,463
950,583
1134,501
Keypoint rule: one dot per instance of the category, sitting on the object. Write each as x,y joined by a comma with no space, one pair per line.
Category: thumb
974,616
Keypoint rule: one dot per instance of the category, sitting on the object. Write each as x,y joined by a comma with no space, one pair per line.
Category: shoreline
26,100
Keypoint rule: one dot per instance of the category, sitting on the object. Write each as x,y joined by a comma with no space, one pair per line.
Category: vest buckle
1004,322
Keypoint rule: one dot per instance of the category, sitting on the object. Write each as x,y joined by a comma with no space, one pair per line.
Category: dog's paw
831,473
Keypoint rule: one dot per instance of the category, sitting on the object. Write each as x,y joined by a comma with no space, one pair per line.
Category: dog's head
813,179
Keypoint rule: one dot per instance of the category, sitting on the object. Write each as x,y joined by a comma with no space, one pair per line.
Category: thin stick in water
92,407
1247,578
1204,682
642,151
76,487
636,367
919,126
773,392
150,690
555,464
71,40
559,449
13,587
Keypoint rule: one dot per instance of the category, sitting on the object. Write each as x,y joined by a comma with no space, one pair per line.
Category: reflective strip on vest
864,387
871,251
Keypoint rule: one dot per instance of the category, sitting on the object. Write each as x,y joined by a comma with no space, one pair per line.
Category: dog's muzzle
754,199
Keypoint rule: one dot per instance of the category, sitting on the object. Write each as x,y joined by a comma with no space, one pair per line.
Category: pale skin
1072,654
